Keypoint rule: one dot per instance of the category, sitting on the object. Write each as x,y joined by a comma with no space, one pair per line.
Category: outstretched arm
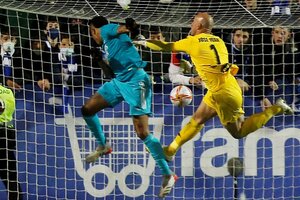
157,45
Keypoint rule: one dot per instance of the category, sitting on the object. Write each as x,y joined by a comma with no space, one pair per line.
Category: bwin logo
231,146
105,165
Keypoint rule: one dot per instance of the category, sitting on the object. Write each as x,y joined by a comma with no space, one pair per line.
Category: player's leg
89,112
152,143
138,95
241,128
142,129
107,93
193,127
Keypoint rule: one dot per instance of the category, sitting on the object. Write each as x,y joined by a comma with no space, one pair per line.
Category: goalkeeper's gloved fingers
140,43
140,37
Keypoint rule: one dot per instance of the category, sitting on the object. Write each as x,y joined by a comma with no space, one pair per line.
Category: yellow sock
187,133
258,120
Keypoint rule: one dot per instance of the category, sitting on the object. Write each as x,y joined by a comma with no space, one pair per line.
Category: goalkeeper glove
131,25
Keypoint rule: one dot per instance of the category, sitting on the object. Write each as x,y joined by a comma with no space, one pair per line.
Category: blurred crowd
57,54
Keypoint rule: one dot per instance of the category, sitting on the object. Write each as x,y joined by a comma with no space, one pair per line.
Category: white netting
227,13
52,144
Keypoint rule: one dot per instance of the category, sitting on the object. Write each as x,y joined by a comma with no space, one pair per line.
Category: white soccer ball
166,1
181,96
124,4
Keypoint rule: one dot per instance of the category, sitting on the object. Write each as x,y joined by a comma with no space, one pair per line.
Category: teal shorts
136,92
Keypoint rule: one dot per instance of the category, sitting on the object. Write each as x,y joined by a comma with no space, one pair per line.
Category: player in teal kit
132,85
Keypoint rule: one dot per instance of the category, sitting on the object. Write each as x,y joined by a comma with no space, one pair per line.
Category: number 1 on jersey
212,47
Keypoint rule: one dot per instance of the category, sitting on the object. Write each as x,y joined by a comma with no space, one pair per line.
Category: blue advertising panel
52,146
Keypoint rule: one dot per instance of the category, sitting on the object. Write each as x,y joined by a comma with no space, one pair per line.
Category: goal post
53,140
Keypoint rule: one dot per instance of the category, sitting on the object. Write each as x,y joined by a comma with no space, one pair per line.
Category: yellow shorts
227,101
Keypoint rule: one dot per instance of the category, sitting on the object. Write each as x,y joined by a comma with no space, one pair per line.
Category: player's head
95,25
280,35
156,34
241,37
202,23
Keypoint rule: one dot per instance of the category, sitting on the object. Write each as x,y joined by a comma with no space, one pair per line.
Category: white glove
140,43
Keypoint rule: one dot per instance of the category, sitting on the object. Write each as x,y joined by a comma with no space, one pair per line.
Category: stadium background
51,166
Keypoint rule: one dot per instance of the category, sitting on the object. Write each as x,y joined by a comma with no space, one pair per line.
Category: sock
188,132
258,120
157,153
95,126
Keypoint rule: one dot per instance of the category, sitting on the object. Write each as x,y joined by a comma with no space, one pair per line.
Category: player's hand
13,85
131,24
196,81
273,85
44,84
243,85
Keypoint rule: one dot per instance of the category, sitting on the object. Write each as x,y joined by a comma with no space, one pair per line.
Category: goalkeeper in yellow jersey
224,96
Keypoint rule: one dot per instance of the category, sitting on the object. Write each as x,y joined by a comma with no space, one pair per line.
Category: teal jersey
121,55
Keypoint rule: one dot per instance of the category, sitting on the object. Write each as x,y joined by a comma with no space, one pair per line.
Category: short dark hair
154,30
98,21
12,31
65,36
52,19
242,29
5,30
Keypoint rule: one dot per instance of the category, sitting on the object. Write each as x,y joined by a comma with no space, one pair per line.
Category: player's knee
141,132
86,111
234,132
236,135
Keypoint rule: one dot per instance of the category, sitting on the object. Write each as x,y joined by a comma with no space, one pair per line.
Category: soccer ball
181,96
166,1
235,166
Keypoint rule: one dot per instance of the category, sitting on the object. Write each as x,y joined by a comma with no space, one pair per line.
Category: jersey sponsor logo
133,150
231,147
226,145
4,91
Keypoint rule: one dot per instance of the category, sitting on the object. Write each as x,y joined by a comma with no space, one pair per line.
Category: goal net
53,139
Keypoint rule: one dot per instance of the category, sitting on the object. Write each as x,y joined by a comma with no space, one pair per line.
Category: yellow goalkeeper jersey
210,56
8,103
